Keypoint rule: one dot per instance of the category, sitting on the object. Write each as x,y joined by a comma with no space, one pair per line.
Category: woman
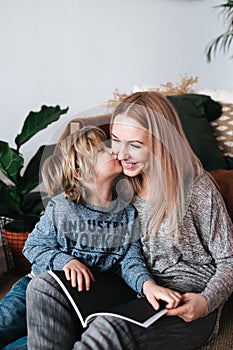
187,241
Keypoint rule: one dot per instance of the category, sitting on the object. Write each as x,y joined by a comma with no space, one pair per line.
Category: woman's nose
122,153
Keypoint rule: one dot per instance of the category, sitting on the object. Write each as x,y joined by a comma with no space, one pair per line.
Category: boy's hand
75,272
153,292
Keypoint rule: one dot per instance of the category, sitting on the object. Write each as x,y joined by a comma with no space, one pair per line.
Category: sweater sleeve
42,248
218,237
134,269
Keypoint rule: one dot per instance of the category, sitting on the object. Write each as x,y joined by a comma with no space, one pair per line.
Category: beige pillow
223,129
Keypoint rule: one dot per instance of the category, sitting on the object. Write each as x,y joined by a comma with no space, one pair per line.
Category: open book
109,295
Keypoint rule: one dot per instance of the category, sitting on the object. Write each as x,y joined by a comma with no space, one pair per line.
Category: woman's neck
144,191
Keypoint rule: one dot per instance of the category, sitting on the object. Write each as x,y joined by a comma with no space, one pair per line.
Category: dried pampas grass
185,86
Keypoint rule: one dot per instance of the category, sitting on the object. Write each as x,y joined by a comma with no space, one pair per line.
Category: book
109,295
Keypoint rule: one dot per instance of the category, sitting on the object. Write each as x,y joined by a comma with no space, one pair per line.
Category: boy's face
106,166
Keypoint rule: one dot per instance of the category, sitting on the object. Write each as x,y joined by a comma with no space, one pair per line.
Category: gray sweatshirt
101,238
201,260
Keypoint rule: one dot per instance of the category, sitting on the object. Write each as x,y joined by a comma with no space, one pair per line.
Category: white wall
76,52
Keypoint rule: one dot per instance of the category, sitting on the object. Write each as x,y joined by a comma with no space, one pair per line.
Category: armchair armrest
224,180
74,125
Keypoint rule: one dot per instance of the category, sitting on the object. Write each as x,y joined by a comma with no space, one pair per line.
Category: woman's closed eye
116,140
135,145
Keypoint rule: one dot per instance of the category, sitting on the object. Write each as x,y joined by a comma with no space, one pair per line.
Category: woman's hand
78,273
193,306
153,292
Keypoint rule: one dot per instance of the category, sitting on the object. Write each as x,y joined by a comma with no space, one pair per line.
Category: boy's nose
110,151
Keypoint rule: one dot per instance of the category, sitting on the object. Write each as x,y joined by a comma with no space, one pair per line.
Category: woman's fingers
193,307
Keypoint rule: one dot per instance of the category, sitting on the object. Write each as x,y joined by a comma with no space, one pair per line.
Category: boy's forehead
101,143
95,139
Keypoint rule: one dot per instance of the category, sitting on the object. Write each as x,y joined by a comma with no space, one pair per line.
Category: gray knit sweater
201,260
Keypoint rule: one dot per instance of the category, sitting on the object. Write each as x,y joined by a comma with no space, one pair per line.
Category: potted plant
20,203
223,41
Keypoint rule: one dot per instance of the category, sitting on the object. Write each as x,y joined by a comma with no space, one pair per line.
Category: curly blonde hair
73,157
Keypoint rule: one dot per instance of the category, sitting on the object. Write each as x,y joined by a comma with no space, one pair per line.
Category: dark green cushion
194,111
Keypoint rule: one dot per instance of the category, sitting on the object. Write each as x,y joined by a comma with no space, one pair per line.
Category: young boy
84,228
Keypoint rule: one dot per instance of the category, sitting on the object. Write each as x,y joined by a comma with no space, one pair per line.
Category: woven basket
15,243
7,252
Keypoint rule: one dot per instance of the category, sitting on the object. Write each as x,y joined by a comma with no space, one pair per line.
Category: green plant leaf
10,162
32,203
37,121
31,176
8,206
38,208
14,195
223,41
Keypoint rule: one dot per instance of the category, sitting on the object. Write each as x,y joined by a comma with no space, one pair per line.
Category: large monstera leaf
37,121
10,162
18,200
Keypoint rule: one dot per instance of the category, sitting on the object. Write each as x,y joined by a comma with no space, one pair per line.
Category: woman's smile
128,166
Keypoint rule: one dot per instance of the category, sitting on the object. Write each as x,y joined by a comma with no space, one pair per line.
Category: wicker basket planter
13,242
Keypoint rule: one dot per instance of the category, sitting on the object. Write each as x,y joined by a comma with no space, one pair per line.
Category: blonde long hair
73,157
173,165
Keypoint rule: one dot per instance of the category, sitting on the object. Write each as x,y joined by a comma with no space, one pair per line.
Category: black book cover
109,295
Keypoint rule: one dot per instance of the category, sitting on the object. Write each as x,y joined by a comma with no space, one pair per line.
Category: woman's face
131,144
